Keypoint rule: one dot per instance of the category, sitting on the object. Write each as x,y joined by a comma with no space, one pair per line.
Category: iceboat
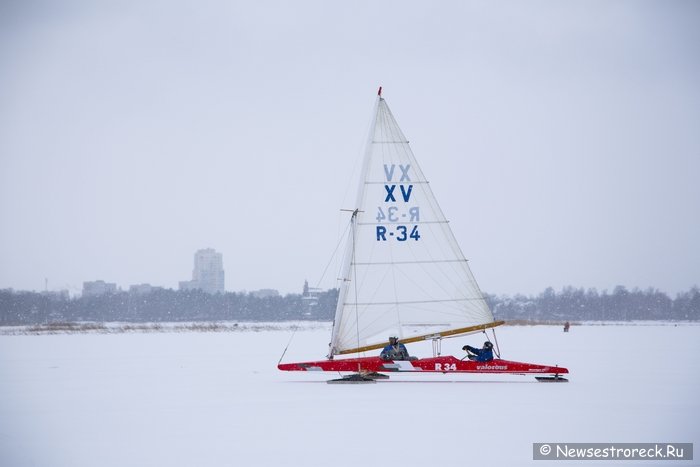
405,275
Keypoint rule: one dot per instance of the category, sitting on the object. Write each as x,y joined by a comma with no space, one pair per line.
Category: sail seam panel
451,300
404,222
413,262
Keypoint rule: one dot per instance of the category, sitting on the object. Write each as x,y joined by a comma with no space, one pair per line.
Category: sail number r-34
392,214
446,367
400,233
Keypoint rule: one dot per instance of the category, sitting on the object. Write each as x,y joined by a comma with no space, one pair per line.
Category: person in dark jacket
395,351
483,354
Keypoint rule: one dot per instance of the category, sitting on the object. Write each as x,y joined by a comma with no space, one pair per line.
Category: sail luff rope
382,122
378,124
337,327
344,287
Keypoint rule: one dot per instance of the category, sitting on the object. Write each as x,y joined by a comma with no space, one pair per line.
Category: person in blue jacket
395,351
483,354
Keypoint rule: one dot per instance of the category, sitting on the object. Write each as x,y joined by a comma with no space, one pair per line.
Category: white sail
404,273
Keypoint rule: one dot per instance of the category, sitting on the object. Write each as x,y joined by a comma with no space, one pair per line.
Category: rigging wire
333,255
498,350
288,343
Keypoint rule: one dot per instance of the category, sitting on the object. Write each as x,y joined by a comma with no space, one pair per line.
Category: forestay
404,273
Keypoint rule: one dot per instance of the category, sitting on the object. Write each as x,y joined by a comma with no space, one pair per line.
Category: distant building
95,288
142,289
208,272
265,293
310,295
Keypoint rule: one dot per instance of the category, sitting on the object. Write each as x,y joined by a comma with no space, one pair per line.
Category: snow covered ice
217,399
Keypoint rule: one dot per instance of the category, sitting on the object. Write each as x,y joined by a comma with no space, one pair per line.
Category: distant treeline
160,305
571,304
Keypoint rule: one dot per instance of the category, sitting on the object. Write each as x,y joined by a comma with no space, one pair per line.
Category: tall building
208,272
95,288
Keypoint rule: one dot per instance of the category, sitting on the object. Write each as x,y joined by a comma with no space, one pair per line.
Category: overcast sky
562,139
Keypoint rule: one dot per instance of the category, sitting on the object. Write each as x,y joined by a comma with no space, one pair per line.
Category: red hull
446,364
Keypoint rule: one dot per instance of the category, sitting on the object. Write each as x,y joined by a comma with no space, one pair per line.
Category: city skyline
560,141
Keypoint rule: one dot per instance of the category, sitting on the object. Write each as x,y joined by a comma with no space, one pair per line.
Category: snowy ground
217,399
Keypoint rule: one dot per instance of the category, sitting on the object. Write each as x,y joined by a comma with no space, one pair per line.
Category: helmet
488,345
393,340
